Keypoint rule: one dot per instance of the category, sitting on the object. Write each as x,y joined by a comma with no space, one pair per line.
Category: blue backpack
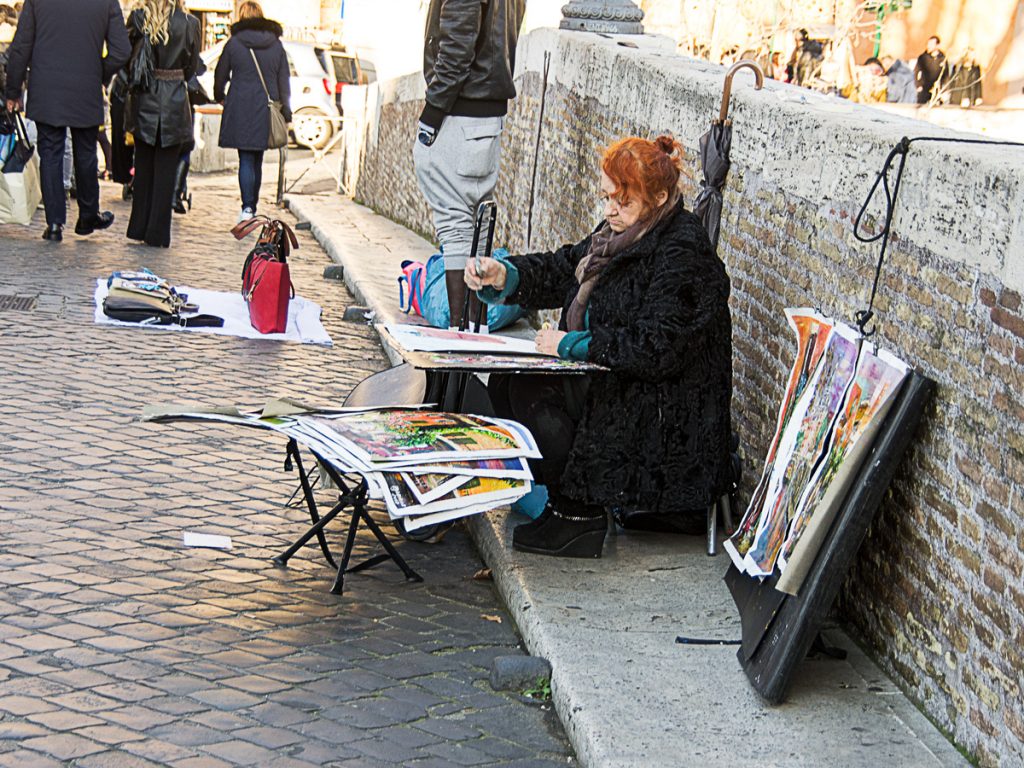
421,290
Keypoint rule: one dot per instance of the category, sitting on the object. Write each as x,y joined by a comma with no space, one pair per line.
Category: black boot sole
588,544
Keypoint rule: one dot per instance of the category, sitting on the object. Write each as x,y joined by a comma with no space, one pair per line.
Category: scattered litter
489,617
207,540
484,574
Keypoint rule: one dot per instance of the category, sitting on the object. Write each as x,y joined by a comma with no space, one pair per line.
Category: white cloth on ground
304,324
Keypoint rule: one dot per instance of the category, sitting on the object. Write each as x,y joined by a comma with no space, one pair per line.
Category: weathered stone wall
937,590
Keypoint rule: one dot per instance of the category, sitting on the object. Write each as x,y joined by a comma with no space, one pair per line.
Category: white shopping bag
20,193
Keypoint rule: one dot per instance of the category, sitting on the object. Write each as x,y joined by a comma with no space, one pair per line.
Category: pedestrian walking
468,61
256,66
930,70
159,114
62,42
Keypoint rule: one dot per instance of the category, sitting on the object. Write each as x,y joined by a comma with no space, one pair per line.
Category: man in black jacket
468,62
61,43
930,70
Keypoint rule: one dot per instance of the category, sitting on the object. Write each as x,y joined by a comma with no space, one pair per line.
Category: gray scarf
605,245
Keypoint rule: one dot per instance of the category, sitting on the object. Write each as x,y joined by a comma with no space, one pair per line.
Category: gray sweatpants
455,174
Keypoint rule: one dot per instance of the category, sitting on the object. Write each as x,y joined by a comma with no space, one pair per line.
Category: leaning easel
351,497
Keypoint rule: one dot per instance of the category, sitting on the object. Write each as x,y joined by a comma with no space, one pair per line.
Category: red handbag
266,282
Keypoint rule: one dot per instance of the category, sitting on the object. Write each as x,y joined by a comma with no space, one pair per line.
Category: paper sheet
208,540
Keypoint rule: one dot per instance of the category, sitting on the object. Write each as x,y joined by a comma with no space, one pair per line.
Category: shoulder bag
266,281
277,136
22,151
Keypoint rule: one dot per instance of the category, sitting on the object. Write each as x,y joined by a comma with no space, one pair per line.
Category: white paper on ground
207,540
303,316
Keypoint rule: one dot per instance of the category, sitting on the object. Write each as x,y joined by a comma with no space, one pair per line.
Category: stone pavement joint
119,646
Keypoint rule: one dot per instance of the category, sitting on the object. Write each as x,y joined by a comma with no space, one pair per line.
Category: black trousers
51,171
153,193
549,405
121,157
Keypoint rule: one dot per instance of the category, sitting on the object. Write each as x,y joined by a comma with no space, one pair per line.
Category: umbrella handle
727,90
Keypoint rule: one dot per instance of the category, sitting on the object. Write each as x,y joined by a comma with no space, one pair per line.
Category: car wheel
310,129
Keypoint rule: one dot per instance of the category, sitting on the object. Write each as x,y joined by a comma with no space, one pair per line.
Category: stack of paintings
427,467
838,394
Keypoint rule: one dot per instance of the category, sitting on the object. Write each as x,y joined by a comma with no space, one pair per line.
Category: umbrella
715,146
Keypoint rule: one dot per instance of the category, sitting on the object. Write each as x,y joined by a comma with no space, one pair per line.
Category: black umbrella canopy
715,146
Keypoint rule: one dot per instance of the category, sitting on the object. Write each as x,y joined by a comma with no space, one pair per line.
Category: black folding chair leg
315,530
410,574
350,540
307,491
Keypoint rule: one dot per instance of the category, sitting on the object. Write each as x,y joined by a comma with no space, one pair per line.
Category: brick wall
937,590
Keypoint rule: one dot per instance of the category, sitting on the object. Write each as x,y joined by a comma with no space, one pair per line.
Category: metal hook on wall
723,115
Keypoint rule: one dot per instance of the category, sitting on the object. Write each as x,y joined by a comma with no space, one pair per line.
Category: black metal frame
353,497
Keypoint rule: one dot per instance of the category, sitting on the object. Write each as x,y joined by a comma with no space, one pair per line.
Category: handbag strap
271,229
20,130
260,73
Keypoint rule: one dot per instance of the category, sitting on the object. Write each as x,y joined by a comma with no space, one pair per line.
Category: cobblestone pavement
119,646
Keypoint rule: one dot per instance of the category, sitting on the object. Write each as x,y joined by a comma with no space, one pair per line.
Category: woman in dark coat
245,125
158,111
646,297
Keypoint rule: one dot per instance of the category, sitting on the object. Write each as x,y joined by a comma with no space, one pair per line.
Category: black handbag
23,149
7,126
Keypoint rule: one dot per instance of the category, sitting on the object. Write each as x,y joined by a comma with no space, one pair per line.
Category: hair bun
667,144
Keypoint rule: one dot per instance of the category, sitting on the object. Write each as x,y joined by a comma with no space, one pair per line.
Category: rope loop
901,150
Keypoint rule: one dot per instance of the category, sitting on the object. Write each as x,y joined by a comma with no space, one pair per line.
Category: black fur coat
655,428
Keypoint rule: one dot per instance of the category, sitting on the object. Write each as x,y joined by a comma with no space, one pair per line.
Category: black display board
778,629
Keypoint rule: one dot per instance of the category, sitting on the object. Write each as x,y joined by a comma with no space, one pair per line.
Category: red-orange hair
643,169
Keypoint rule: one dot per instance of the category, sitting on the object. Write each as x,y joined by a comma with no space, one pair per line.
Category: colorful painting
839,391
804,440
875,386
812,332
401,435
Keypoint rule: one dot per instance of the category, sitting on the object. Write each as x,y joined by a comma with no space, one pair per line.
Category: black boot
537,522
457,289
572,530
180,189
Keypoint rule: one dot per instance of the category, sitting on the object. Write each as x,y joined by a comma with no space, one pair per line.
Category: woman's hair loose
250,9
156,22
643,169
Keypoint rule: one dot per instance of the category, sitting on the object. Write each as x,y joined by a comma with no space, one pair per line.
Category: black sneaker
54,233
102,221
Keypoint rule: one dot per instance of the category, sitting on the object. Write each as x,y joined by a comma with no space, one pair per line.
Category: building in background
851,30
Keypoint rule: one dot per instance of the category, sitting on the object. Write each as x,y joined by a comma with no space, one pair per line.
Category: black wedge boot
571,529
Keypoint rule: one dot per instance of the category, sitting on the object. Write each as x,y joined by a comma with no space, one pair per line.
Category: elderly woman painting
646,297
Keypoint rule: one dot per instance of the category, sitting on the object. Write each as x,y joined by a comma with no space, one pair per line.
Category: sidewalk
627,694
122,648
